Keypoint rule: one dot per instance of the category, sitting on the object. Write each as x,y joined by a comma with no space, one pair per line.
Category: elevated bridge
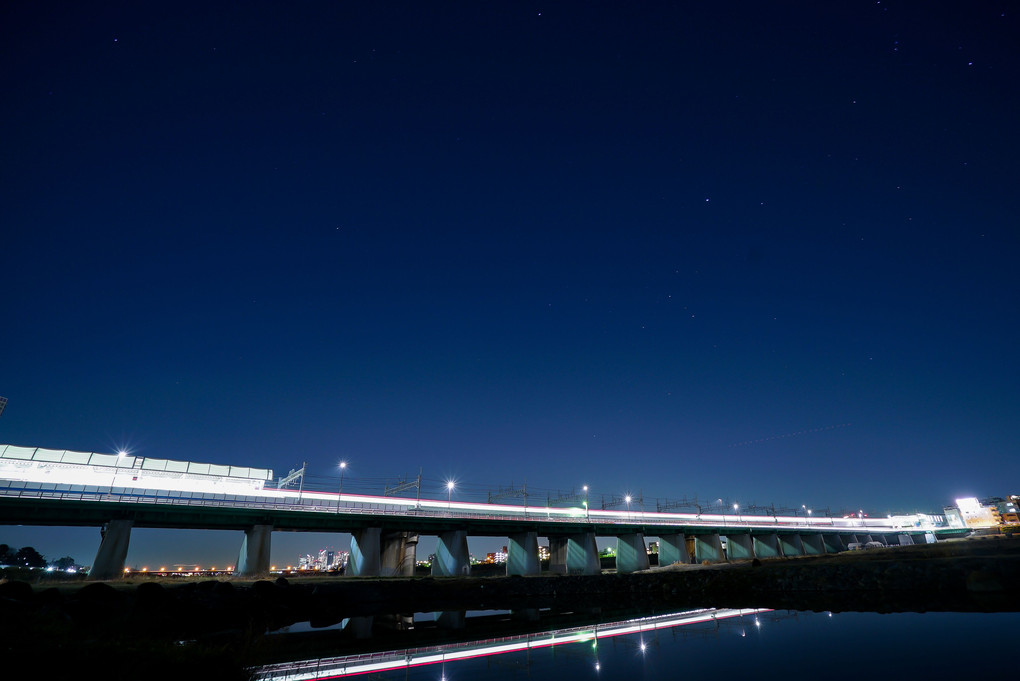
117,493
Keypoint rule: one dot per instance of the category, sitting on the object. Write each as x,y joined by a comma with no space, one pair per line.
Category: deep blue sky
753,252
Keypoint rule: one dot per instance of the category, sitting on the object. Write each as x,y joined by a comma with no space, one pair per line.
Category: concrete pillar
112,554
766,546
575,554
812,544
864,538
833,543
631,554
739,547
525,614
673,549
906,540
522,554
398,553
253,559
451,619
708,547
791,545
452,558
851,539
366,553
360,627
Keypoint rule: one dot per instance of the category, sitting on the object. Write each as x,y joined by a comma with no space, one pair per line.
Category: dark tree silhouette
64,563
29,557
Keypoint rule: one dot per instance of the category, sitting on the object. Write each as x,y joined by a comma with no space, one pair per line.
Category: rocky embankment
974,575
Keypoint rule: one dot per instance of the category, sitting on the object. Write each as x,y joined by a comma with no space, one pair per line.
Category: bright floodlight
627,498
122,453
343,465
450,485
736,506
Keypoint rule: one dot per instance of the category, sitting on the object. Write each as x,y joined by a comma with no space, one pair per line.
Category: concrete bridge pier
833,543
631,554
767,546
812,544
398,554
708,547
791,545
366,553
739,547
112,554
451,619
906,540
574,554
253,559
673,549
522,554
360,627
525,615
452,558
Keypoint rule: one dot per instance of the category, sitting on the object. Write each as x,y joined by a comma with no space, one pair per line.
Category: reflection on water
759,644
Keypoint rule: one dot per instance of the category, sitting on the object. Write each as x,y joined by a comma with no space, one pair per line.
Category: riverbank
116,622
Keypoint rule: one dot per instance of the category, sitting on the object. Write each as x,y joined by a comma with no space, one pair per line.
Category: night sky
761,252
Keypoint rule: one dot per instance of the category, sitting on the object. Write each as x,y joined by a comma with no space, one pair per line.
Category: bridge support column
739,547
812,544
791,545
360,627
766,546
452,558
452,620
708,547
522,554
366,553
864,538
673,549
906,540
631,554
112,554
398,553
833,543
574,554
851,539
253,559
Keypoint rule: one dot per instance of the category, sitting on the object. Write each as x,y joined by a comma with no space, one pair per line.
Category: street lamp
449,493
627,500
586,516
343,467
736,509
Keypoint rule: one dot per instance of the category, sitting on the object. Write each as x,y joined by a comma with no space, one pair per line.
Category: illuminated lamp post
449,493
586,514
627,500
343,467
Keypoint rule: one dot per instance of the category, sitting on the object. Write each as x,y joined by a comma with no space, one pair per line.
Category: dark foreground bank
222,626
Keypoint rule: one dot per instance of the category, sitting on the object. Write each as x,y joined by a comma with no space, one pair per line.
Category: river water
752,644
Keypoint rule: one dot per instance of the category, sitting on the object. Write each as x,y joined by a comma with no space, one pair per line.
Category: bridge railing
403,507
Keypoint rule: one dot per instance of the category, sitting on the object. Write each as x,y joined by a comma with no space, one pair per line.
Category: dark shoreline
229,618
